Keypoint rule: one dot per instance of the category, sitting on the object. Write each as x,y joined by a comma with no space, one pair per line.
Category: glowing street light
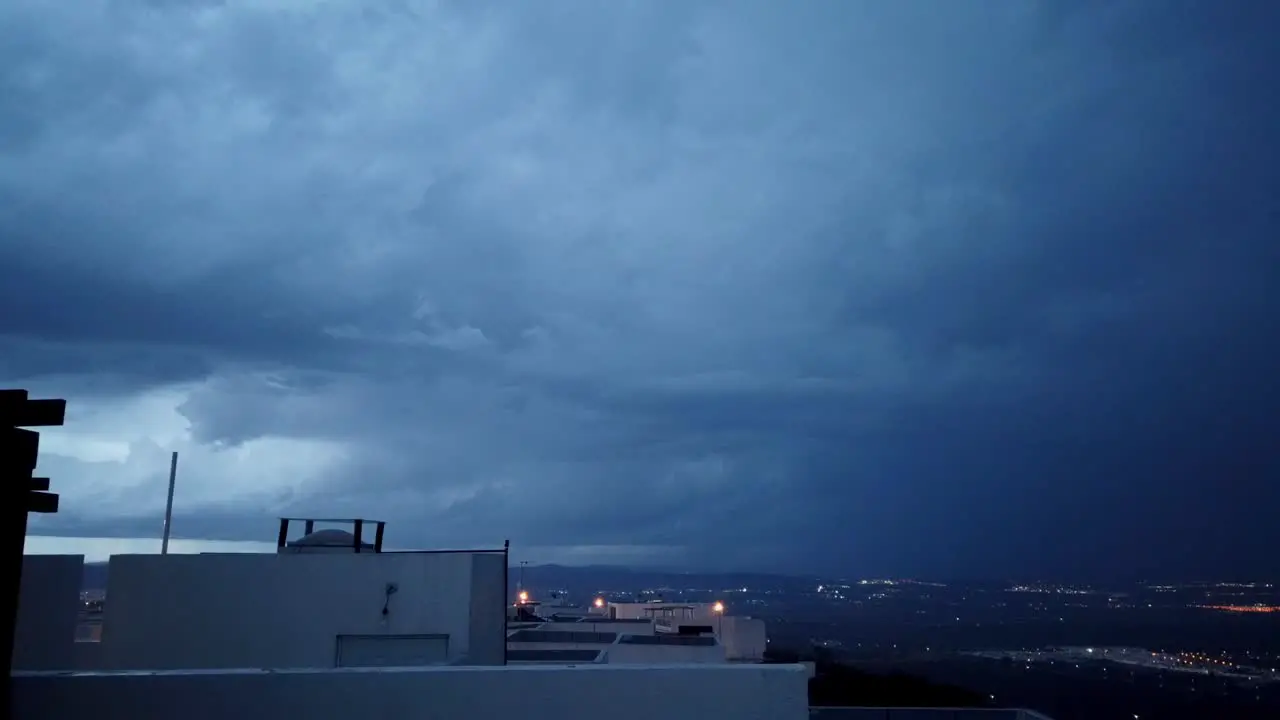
599,602
524,596
718,611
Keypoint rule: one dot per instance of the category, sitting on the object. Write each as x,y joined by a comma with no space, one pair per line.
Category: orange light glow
524,596
718,607
599,602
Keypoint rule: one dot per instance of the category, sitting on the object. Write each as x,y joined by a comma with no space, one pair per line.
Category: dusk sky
911,288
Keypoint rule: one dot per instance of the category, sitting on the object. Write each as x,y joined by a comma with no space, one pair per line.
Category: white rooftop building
326,599
744,639
333,627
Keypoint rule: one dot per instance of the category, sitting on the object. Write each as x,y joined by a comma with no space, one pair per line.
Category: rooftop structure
744,638
669,640
331,627
567,637
577,692
329,540
334,635
292,609
558,657
616,648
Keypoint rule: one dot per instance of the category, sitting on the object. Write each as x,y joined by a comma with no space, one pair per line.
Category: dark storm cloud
906,288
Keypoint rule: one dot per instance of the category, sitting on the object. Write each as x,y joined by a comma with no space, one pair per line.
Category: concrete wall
543,657
548,637
558,646
286,611
744,638
621,628
629,654
48,609
488,638
696,613
618,652
89,656
585,692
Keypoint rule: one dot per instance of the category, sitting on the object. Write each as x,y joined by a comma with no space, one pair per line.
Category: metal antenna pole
168,506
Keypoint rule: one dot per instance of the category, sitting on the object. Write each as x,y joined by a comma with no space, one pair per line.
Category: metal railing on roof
357,531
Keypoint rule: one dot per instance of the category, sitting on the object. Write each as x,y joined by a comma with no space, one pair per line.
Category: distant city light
1256,608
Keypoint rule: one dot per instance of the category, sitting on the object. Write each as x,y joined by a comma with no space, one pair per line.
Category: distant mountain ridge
589,579
618,578
592,579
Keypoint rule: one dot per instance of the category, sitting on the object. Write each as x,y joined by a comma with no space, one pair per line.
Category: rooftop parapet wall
648,649
560,657
622,627
578,637
287,611
48,608
591,692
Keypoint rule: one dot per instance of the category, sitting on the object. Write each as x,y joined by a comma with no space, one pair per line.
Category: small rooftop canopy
330,539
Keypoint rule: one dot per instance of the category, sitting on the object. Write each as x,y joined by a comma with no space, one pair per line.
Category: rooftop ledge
618,692
742,668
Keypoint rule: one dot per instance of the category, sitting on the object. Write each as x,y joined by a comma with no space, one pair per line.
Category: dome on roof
329,540
330,537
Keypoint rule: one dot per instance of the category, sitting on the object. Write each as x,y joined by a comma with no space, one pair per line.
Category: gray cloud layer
910,287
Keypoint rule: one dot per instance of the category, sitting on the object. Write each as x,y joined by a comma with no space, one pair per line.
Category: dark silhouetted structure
22,494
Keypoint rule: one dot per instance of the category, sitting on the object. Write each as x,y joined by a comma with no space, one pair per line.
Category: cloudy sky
913,287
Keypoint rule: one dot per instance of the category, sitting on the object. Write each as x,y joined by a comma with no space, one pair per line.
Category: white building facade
744,638
303,610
